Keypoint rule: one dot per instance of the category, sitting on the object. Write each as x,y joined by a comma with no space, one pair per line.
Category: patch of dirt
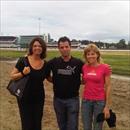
9,113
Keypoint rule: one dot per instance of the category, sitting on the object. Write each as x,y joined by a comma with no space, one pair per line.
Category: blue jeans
90,109
67,112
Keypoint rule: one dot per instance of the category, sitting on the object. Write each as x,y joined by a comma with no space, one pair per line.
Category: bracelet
22,73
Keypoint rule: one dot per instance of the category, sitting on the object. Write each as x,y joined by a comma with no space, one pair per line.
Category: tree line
119,45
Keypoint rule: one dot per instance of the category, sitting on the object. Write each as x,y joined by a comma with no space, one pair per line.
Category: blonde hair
93,47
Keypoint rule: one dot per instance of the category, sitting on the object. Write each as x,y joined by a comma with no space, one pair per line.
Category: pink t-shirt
94,79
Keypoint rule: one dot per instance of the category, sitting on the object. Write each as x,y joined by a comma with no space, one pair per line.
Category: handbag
16,87
111,121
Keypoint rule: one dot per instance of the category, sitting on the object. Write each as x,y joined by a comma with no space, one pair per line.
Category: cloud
95,20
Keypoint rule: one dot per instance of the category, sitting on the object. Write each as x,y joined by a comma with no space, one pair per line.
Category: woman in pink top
96,78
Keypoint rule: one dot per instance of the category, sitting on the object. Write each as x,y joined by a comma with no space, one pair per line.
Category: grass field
119,60
9,113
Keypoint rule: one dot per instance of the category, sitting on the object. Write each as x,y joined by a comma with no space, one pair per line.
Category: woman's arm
107,90
15,74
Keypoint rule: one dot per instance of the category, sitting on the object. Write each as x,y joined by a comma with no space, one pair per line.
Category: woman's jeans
67,112
90,109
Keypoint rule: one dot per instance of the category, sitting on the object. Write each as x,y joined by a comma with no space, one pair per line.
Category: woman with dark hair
32,102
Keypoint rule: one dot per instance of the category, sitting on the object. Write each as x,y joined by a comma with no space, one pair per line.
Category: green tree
128,45
121,44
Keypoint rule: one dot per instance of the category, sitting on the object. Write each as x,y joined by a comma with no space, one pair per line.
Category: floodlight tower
39,25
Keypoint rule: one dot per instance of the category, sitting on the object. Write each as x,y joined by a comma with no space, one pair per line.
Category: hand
106,112
26,70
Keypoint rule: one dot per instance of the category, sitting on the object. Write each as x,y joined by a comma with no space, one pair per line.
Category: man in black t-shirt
66,71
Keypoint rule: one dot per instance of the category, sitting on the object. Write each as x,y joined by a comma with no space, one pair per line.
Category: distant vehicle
82,46
14,46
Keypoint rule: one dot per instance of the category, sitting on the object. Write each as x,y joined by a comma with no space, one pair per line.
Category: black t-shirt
66,76
34,90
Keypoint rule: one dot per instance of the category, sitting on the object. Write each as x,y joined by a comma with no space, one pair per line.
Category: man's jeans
90,110
67,112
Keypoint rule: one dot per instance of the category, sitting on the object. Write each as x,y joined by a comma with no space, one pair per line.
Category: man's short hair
64,39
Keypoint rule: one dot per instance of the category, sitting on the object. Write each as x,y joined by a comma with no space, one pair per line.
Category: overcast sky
91,20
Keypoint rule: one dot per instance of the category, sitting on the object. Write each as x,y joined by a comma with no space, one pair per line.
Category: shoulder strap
25,61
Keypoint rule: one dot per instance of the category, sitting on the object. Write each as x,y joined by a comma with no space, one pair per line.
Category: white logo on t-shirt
92,73
67,71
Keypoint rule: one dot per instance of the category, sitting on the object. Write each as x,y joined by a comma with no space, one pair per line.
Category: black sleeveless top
34,91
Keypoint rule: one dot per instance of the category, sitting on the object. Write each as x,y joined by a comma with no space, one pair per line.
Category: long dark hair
43,45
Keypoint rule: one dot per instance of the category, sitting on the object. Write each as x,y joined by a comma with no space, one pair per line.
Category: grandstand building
8,41
54,45
23,41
